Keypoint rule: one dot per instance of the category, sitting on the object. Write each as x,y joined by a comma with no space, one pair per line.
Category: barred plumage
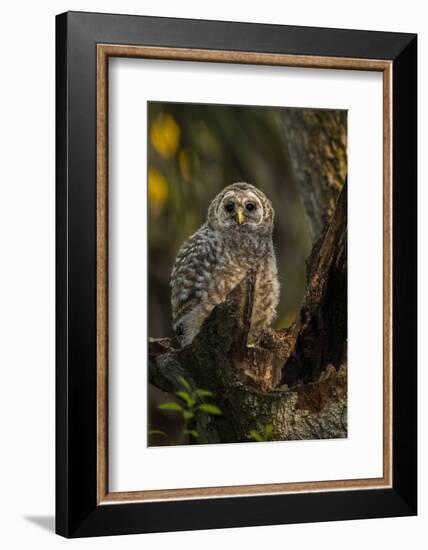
236,237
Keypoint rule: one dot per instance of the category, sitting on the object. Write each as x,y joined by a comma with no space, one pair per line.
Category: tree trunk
295,379
317,146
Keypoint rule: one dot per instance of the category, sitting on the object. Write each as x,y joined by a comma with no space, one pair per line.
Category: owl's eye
230,207
250,206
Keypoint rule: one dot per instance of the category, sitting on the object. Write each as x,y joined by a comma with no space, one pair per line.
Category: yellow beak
240,215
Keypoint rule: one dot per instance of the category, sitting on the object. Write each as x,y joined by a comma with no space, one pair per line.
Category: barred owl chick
236,237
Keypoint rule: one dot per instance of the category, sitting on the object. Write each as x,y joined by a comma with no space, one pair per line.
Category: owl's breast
247,250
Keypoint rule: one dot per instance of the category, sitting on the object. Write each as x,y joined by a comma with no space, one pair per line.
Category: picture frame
84,44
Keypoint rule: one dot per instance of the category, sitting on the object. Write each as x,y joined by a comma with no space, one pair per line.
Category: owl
236,237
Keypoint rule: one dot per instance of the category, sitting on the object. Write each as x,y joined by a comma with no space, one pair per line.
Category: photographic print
247,265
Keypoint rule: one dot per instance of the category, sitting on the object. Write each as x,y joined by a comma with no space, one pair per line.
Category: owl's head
241,207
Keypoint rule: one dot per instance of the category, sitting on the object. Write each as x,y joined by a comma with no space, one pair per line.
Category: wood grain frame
104,52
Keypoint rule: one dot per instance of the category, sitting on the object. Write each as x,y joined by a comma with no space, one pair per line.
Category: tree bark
295,379
317,147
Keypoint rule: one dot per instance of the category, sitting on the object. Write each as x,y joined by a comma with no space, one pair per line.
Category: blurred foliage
263,433
165,135
195,150
191,402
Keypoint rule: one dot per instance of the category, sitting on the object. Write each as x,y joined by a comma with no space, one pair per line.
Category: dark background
195,150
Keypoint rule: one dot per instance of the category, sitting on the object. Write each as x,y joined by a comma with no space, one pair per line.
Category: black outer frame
77,513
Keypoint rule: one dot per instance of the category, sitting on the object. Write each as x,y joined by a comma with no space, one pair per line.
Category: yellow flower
165,135
158,190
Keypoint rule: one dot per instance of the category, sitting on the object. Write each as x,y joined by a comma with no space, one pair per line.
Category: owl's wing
192,272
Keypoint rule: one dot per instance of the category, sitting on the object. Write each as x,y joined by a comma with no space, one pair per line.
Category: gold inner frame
104,51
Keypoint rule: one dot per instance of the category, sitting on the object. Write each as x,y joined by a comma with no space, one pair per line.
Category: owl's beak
240,215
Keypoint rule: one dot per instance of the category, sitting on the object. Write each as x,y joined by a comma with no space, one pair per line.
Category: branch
293,378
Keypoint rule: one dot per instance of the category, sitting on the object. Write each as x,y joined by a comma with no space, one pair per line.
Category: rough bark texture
295,378
321,330
317,145
245,379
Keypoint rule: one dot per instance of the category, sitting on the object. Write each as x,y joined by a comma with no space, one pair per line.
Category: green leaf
186,397
210,409
193,433
157,432
204,393
254,435
187,415
170,407
268,431
185,383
